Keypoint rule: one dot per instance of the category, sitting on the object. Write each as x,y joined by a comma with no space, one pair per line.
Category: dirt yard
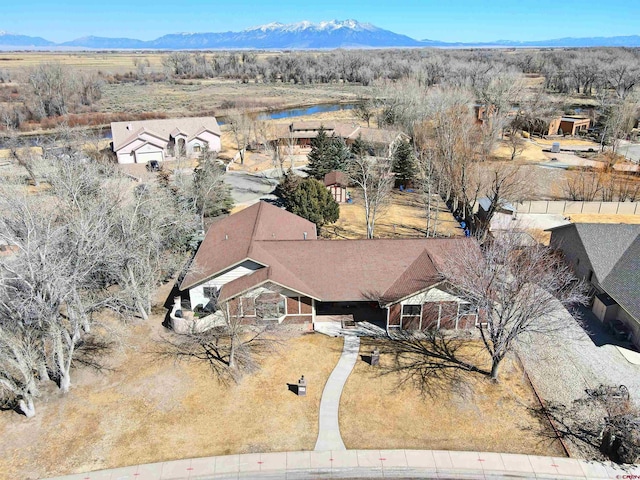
150,410
375,413
405,217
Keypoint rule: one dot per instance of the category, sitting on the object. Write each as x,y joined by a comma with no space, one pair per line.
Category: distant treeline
51,90
565,71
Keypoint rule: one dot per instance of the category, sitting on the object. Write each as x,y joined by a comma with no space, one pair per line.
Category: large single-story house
608,257
267,264
147,140
300,134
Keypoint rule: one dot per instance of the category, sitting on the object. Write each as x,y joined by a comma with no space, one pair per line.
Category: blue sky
447,20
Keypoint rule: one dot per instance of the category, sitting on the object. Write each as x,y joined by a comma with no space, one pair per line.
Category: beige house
159,140
300,134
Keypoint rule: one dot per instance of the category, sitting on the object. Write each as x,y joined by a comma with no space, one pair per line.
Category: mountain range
301,35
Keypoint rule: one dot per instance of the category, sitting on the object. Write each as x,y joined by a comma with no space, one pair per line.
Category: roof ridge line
253,229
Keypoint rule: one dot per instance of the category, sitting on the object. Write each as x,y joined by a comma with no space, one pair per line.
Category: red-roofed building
270,265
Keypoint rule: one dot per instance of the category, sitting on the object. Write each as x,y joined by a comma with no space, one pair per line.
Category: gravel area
583,357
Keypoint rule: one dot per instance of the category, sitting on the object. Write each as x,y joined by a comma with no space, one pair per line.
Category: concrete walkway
329,430
360,464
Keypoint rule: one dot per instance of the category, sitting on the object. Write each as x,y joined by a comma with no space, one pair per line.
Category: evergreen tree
313,201
360,148
320,150
327,154
289,183
339,155
404,165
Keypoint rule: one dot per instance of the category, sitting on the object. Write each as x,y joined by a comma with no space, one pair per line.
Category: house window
196,148
466,309
411,310
270,306
210,292
590,277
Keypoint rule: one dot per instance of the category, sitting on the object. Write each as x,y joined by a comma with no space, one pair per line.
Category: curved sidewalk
329,429
359,464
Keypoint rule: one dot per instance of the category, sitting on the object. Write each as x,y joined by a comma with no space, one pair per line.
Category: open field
148,410
404,217
106,62
206,96
375,413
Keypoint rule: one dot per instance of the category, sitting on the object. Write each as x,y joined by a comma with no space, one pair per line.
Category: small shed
337,183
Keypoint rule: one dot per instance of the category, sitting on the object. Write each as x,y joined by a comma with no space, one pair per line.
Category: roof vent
226,237
129,126
305,235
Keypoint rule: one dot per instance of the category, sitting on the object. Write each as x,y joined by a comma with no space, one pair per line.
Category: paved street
630,150
248,188
360,464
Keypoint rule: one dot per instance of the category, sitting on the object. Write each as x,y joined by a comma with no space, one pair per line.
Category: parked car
154,166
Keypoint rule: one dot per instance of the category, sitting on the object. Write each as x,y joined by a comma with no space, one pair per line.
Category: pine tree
287,186
313,201
339,155
327,154
360,148
404,163
320,148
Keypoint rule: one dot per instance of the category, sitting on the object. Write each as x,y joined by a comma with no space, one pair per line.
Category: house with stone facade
265,264
159,140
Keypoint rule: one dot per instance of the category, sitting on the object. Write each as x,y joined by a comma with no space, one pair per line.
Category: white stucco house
159,140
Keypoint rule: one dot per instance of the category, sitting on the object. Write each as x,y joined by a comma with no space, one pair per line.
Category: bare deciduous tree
240,125
231,347
516,290
375,177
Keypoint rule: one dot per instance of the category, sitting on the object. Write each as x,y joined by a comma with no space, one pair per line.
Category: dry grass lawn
531,152
602,218
150,410
374,413
404,217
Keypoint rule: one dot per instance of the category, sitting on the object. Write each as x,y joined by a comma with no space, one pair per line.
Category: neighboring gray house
608,257
147,140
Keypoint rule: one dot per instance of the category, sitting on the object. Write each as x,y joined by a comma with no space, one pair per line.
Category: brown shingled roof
336,178
385,270
229,241
354,270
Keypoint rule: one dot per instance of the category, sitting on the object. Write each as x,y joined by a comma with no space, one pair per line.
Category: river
291,112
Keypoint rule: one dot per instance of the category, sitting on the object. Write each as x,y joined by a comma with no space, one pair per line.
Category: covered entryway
358,311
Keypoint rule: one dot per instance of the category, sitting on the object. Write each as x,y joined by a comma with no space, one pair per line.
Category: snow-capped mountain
299,35
330,34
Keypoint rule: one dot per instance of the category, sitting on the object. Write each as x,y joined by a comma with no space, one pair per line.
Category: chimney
305,235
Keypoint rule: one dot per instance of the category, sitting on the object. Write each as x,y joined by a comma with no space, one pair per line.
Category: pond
298,111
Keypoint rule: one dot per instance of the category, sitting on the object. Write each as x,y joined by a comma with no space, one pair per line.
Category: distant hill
301,35
15,40
626,41
105,42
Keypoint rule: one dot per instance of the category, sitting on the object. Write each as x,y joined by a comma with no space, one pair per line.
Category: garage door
144,157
